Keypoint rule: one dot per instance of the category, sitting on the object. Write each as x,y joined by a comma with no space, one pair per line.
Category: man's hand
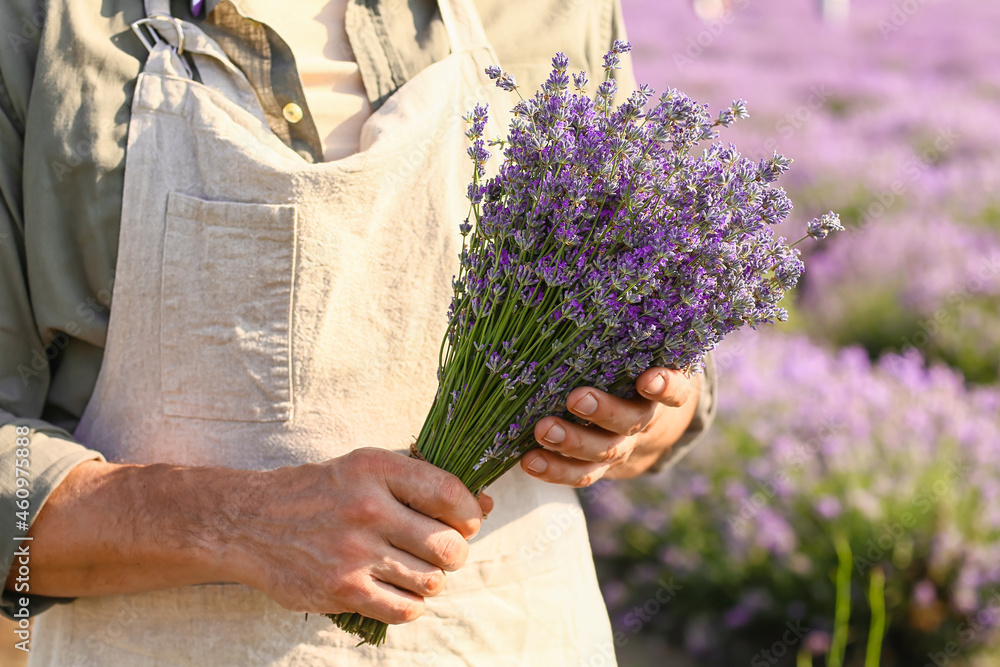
625,436
372,532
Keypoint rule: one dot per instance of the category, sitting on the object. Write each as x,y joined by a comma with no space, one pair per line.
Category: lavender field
846,509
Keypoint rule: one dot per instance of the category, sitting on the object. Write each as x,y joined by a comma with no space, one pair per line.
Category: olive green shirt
67,73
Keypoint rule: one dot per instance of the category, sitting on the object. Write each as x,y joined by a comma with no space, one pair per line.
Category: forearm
118,529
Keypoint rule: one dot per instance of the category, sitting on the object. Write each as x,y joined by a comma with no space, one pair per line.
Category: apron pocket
225,345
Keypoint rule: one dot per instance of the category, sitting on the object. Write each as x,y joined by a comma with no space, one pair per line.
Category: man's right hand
373,532
369,532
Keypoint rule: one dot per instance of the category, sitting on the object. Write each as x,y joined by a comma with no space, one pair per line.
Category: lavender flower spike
503,80
820,227
612,60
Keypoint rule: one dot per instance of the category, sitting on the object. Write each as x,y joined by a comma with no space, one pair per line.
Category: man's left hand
624,437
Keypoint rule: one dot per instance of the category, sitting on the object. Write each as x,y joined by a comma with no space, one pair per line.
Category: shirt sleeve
30,448
44,456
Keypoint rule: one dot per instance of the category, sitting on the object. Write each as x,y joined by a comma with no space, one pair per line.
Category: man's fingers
587,443
390,604
430,541
558,469
617,415
672,388
405,571
434,493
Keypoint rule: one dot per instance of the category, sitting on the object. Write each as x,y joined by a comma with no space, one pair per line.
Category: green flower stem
368,629
842,616
876,599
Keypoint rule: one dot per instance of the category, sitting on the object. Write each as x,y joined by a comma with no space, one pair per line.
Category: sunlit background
846,509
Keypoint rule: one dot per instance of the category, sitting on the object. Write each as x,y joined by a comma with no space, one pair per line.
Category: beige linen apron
266,313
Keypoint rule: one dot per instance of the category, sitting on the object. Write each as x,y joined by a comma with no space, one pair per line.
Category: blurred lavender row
874,414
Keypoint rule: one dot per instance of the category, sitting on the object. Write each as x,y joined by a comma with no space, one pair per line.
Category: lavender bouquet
604,246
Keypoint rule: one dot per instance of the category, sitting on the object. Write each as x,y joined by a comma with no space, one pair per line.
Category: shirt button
292,112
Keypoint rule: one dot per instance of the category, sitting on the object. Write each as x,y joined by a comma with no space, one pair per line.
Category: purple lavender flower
612,59
503,80
820,227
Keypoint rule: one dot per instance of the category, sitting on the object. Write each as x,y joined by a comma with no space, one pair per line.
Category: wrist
224,522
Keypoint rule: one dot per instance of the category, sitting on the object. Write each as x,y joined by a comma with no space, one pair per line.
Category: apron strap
160,26
461,20
169,38
157,7
160,23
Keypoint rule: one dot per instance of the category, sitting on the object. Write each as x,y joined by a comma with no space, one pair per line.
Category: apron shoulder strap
461,20
154,7
160,24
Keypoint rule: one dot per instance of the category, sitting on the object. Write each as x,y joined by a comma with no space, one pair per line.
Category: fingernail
656,385
586,405
555,434
537,465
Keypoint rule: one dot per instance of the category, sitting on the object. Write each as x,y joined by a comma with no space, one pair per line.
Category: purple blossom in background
929,284
859,111
828,507
817,642
924,593
854,459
